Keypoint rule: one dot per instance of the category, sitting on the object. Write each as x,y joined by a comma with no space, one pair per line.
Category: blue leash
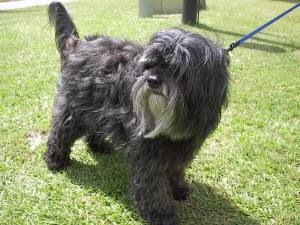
249,35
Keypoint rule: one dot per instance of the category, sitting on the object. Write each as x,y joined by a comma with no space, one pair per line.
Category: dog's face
182,87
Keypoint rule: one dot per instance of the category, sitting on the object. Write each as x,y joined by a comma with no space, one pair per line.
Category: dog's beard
151,110
157,115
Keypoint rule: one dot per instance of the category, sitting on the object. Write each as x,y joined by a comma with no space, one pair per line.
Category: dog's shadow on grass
203,207
206,206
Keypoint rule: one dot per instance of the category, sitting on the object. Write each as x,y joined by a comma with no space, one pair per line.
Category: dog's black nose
154,81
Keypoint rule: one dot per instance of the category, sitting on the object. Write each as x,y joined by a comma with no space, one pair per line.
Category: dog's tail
66,35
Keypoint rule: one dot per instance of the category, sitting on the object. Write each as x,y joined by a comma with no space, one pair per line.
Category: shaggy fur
159,102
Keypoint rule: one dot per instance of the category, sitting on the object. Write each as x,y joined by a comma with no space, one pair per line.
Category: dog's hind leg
98,144
65,130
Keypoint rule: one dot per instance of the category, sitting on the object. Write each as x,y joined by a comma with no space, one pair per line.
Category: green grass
246,173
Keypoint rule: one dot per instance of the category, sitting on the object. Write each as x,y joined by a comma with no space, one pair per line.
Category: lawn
246,173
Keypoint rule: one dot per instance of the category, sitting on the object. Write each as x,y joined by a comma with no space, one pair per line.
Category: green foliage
246,173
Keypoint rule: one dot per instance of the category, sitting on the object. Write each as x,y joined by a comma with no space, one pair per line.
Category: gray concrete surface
25,4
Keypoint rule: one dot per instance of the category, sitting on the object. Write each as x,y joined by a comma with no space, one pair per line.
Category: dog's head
182,87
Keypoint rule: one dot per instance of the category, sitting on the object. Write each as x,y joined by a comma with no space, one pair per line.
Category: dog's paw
164,219
56,162
181,194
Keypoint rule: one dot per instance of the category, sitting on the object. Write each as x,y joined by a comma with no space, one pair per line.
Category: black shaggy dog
159,102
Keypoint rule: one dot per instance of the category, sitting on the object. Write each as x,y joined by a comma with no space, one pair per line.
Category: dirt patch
36,138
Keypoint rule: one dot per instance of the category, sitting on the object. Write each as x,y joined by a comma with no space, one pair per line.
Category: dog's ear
218,78
208,89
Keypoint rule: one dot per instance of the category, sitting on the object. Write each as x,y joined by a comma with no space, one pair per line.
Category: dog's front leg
152,194
178,185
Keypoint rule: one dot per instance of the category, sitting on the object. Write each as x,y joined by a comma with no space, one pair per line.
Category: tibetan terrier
158,102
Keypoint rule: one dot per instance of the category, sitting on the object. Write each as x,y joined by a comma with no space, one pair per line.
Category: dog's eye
158,65
163,64
148,66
